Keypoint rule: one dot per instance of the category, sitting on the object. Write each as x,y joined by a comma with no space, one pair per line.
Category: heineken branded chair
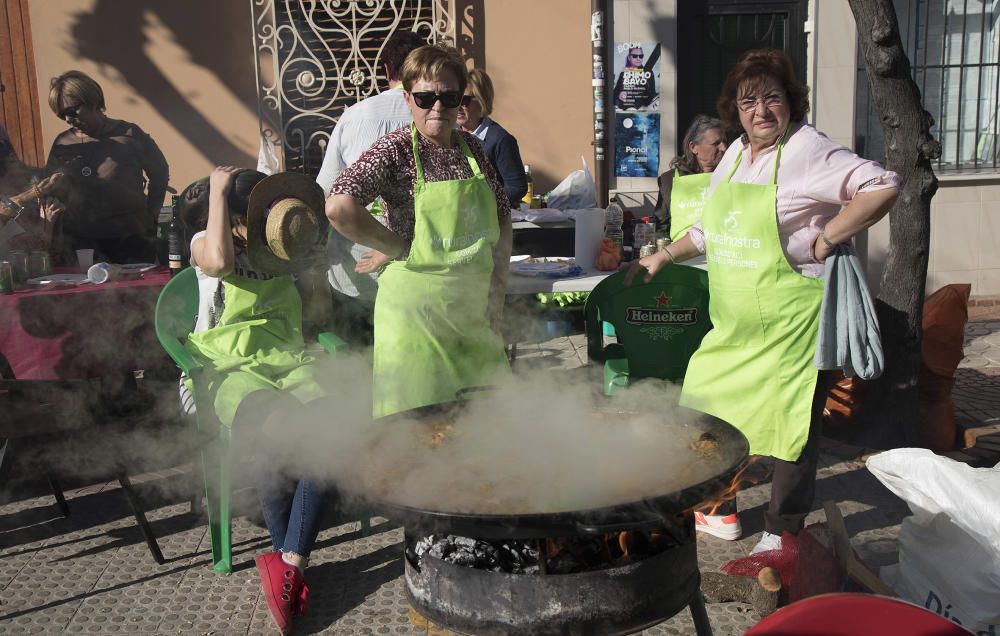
176,309
658,325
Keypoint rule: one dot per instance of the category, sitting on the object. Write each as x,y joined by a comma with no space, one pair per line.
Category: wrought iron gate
314,58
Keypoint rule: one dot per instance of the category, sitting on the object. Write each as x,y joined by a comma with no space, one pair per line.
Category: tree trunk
891,410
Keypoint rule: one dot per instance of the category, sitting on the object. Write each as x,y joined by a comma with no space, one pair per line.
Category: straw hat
284,220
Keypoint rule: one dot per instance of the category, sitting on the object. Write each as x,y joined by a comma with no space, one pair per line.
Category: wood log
972,435
760,592
854,568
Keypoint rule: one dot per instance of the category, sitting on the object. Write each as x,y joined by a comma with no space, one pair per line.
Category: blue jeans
292,506
291,511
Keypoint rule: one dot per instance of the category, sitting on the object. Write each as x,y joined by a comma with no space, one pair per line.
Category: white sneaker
767,542
725,527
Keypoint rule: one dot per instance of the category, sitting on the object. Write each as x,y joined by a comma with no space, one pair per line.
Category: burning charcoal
463,557
423,545
465,542
564,563
437,550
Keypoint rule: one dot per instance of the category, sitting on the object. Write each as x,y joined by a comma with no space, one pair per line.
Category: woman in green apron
445,248
254,231
781,199
683,188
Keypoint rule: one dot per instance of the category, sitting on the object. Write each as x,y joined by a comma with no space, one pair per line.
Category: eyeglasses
748,104
638,55
427,99
466,100
71,111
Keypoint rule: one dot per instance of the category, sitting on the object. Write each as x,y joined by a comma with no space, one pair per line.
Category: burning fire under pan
488,561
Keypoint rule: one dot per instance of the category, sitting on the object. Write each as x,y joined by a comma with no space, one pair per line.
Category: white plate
548,266
54,279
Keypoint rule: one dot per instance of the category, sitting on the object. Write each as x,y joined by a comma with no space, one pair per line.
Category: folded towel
849,337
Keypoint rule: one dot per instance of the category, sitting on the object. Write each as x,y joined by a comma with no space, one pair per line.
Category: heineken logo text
677,316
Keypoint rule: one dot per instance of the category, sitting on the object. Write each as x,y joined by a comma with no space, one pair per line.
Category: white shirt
207,285
482,128
359,126
816,179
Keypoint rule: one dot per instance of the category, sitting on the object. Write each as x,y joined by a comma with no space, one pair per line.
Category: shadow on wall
112,34
470,35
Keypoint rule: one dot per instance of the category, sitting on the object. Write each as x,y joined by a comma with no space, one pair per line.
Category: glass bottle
175,240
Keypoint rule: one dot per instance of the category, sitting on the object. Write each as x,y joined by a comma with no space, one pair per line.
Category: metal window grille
314,58
953,50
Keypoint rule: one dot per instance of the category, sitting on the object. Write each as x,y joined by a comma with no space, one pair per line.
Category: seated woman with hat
255,231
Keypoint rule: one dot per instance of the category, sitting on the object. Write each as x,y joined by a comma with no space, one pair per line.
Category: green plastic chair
658,325
176,309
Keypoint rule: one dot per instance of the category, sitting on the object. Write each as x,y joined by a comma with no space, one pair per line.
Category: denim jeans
292,511
292,506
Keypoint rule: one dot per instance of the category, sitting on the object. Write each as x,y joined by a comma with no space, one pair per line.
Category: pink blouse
816,178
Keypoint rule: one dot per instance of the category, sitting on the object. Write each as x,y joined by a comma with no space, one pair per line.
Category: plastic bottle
613,219
531,185
175,241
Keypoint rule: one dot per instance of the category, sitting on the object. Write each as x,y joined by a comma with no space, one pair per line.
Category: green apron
754,369
432,332
687,198
256,344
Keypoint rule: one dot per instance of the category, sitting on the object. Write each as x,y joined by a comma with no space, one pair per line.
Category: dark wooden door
713,34
18,86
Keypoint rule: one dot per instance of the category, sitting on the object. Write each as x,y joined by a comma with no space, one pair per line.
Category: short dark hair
397,47
192,207
752,68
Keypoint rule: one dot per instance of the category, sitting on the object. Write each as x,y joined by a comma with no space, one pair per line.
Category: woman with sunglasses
501,146
117,173
781,199
445,248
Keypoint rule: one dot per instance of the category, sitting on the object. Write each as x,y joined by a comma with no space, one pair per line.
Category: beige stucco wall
180,71
538,55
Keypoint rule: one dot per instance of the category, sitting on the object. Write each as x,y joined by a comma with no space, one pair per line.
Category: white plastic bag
949,549
575,192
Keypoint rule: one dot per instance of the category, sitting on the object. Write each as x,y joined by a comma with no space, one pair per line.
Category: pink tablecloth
82,332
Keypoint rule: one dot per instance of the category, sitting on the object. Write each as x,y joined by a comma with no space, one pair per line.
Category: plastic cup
85,258
103,272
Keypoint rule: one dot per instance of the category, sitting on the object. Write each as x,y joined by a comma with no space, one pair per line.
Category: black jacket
502,151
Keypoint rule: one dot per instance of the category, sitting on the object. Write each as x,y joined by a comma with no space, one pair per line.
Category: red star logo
662,299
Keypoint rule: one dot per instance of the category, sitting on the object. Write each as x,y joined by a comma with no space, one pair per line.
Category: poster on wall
637,73
637,144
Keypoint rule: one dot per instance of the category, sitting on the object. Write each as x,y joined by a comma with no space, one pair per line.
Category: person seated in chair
253,232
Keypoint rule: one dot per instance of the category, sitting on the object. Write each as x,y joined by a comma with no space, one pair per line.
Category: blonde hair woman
501,146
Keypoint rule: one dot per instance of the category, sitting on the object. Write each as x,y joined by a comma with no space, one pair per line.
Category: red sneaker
283,587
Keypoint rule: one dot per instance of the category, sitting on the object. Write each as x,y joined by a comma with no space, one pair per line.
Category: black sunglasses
72,111
448,99
466,100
